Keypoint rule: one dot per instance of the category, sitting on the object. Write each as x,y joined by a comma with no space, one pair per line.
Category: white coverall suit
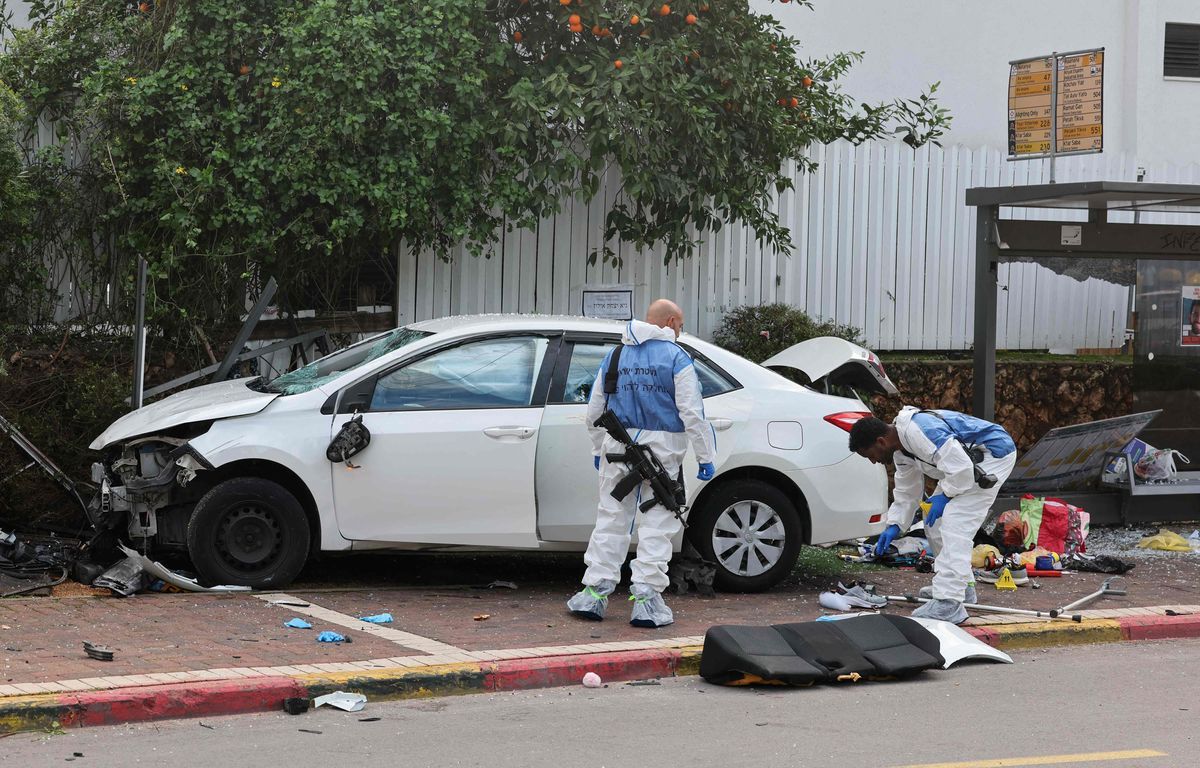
936,453
658,401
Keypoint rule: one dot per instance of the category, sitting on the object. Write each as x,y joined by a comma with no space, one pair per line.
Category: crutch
1058,613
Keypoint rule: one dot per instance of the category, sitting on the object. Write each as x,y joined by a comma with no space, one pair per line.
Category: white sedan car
478,441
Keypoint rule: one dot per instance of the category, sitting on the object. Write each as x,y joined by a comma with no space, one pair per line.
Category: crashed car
477,441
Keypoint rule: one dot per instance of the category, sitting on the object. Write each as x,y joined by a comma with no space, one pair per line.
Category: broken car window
328,368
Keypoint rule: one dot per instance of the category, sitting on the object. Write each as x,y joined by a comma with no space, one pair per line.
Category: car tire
248,531
738,509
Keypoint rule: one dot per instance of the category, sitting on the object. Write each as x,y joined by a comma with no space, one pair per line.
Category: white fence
883,241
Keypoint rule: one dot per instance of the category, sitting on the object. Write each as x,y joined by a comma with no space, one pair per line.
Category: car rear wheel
248,531
751,530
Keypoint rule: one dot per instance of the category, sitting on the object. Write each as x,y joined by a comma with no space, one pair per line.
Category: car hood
837,360
211,401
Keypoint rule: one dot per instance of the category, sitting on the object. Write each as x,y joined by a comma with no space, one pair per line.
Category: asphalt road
1131,704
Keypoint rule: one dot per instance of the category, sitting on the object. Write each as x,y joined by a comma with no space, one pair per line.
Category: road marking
407,639
1015,762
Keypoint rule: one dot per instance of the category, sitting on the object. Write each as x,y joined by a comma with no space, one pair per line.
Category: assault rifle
644,466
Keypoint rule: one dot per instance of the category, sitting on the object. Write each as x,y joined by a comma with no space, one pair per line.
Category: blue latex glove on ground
596,461
706,472
937,503
886,538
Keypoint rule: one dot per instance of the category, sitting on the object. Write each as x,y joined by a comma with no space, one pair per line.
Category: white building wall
967,46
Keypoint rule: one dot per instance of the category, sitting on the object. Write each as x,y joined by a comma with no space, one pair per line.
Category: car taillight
875,518
846,419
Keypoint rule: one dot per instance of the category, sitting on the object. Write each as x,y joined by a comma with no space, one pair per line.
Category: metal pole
1053,111
139,337
985,312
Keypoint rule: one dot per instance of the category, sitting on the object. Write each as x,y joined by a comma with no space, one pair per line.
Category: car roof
503,322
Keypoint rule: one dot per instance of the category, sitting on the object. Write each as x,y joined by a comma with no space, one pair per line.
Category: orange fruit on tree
618,64
665,10
807,81
596,30
517,36
574,20
795,102
564,2
690,18
144,7
634,20
244,69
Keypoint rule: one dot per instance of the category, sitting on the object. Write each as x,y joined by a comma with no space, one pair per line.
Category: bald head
665,314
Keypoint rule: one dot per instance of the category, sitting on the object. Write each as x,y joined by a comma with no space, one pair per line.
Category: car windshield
328,368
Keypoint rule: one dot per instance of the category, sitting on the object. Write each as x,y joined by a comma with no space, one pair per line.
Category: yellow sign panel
1059,100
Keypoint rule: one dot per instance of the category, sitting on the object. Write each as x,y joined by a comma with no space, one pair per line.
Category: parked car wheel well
269,470
770,476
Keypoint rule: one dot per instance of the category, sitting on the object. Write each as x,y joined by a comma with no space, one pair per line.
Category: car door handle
510,433
721,424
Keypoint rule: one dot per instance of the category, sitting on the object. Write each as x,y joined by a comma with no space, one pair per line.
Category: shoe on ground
591,602
942,610
1019,576
971,597
858,596
649,609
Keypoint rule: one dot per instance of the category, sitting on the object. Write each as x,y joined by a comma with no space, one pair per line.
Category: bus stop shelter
1123,224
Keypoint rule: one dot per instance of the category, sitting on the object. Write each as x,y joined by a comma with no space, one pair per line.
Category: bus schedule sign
1056,105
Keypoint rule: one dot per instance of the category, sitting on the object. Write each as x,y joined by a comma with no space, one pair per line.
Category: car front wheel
751,530
248,531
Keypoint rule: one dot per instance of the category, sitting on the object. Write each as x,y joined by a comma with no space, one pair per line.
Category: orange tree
300,138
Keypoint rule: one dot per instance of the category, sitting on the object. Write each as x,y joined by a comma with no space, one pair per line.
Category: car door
567,486
454,436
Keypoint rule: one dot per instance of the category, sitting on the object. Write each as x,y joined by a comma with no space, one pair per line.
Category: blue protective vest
968,429
645,396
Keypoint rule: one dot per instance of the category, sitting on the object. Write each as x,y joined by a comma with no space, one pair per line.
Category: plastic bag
1011,530
985,556
1158,465
1166,540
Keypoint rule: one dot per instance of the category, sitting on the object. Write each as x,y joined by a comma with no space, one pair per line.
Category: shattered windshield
328,368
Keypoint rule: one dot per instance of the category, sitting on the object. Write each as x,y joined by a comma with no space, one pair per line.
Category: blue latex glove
886,538
706,472
596,461
937,503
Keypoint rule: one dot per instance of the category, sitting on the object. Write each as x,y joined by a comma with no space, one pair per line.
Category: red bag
1052,534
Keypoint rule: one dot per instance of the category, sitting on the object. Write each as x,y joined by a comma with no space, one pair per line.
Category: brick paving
165,637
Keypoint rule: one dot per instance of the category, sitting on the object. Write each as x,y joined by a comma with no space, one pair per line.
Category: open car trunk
836,362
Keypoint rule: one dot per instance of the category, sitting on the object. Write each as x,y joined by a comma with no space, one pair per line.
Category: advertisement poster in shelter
1190,329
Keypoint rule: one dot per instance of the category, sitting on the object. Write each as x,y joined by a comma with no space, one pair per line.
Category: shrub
757,332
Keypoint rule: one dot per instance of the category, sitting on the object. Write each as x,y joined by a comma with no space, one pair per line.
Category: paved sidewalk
190,654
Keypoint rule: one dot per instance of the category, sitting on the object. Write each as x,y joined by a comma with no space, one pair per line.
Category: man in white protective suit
657,399
970,458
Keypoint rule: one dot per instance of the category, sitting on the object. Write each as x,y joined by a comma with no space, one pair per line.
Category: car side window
491,373
712,382
586,359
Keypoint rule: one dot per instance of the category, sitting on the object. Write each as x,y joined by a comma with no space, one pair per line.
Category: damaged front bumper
137,485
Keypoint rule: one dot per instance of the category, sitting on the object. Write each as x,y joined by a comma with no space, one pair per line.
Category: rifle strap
610,375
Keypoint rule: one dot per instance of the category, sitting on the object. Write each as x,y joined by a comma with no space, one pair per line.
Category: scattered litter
296,705
293,603
644,682
160,571
592,680
206,725
98,652
307,730
483,616
1166,540
369,719
297,623
497,584
1171,612
379,618
840,616
1099,564
332,637
834,602
124,579
347,702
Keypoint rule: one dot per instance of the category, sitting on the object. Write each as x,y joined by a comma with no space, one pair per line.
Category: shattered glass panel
328,368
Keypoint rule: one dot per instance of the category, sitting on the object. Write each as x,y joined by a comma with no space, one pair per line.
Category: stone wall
1031,398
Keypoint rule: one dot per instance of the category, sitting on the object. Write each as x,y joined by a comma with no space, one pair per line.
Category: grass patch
822,563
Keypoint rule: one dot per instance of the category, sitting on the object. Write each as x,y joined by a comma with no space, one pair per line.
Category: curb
265,694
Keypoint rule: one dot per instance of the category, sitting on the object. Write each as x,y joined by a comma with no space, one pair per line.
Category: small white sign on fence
608,302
